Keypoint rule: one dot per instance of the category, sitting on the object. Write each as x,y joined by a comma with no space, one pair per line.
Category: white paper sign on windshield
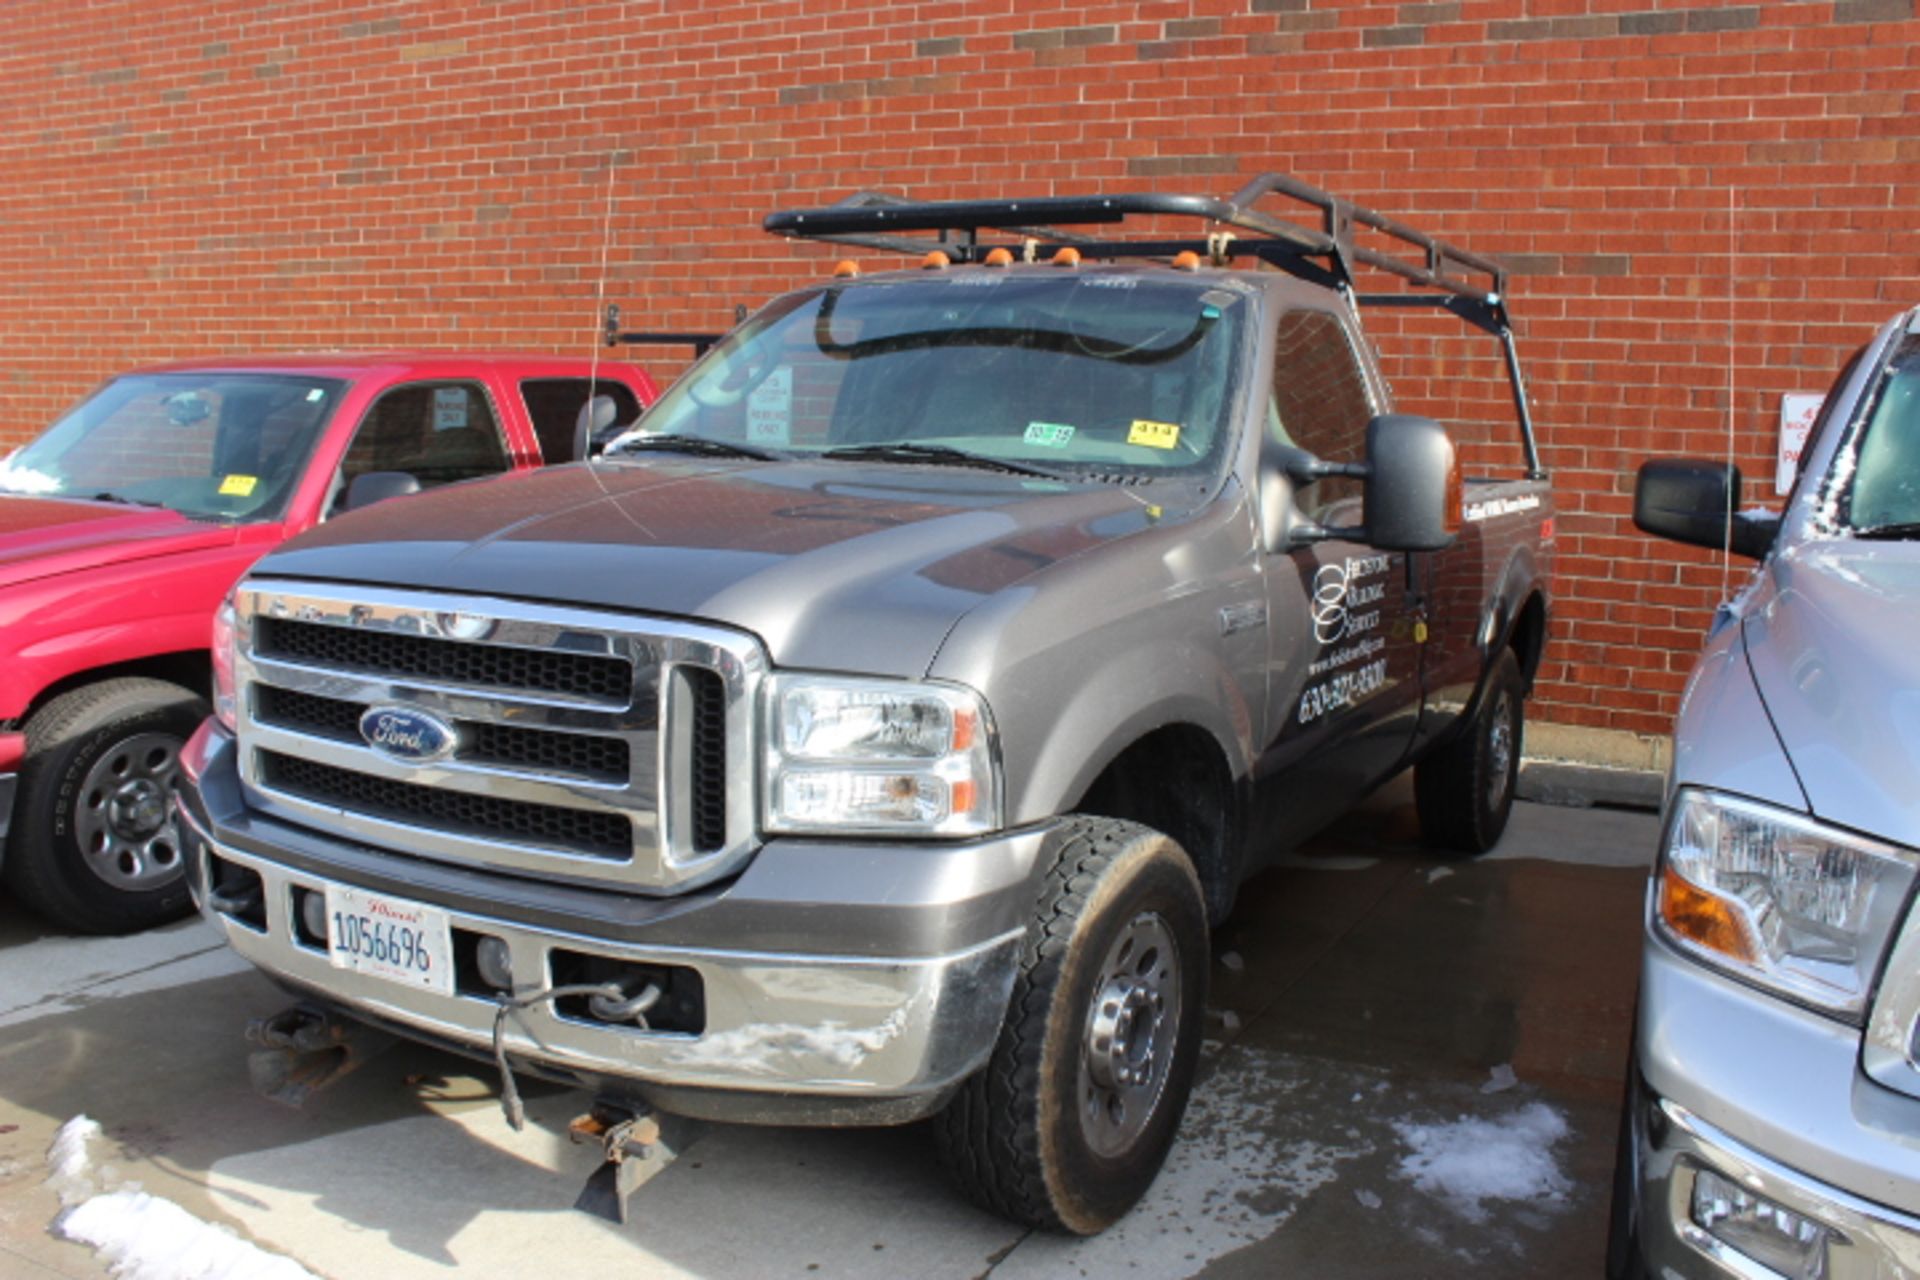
770,409
1797,413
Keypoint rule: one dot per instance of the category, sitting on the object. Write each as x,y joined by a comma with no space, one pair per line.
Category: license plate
392,938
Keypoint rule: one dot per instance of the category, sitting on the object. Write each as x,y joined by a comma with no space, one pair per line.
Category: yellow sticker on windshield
1154,435
237,486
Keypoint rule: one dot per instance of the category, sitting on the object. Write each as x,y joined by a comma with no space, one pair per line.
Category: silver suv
1772,1125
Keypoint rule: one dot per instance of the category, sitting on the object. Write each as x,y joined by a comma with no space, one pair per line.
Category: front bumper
843,983
1770,1097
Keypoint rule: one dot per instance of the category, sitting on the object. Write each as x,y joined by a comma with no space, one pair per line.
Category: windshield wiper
937,454
1890,532
123,499
688,444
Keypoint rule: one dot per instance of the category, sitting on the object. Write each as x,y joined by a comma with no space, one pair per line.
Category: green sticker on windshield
1049,435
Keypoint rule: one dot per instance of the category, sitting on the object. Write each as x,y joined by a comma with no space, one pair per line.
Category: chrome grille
485,666
594,757
555,769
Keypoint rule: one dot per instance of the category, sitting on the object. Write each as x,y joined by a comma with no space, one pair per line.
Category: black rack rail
1472,287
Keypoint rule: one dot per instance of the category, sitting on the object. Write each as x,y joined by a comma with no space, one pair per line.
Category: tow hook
635,1146
304,1049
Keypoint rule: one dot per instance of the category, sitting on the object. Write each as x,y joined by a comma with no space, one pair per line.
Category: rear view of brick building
1705,206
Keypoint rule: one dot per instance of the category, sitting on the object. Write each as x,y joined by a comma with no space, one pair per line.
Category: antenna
600,288
1726,541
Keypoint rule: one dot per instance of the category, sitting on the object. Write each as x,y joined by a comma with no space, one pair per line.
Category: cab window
554,404
1320,403
437,432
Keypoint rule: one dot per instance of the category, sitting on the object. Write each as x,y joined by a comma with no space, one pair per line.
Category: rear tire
94,846
1464,790
1069,1122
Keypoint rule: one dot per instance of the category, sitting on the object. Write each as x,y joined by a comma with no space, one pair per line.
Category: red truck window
437,432
554,404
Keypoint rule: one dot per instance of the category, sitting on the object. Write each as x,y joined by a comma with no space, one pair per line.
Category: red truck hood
40,537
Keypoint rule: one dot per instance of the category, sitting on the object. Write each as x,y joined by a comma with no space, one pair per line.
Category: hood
835,566
1833,653
40,537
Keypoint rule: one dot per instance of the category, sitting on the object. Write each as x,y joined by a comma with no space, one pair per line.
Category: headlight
226,634
871,756
1789,903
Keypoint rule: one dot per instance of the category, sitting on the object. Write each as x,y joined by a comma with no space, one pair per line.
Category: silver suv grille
586,747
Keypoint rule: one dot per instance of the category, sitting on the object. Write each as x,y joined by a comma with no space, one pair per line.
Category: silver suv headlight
878,756
1802,908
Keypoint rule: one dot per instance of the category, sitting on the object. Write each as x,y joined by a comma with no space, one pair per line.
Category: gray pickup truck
874,731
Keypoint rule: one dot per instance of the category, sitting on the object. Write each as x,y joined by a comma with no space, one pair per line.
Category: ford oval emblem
413,736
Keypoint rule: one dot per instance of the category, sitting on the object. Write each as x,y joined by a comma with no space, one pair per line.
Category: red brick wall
224,177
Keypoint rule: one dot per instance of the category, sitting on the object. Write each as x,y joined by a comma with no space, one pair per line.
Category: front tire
1464,790
1069,1122
94,846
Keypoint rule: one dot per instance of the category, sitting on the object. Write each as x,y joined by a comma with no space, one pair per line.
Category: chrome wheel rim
123,817
1131,1032
1500,751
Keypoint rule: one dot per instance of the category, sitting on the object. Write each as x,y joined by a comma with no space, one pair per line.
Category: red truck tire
94,847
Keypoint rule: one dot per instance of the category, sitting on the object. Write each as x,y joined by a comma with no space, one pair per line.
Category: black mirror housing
1688,500
1413,494
1411,488
377,486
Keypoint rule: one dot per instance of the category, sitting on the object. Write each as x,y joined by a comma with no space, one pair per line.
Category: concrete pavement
1414,1069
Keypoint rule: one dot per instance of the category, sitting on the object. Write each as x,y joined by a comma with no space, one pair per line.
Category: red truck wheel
93,846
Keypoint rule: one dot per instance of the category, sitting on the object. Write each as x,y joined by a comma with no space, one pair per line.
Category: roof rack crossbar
882,221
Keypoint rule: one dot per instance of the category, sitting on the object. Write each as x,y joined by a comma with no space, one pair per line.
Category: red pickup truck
124,525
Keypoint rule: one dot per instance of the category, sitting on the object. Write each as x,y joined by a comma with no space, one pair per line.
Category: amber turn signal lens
1704,918
1000,257
846,269
1066,256
1186,260
935,260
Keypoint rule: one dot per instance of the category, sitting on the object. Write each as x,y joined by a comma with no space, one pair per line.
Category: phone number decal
1343,690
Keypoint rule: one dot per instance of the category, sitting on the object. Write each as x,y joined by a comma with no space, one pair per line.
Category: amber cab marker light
1456,499
935,261
1000,257
1066,256
1186,260
1701,918
845,269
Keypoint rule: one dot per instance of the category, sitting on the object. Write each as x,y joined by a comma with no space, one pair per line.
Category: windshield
1088,374
1886,478
228,446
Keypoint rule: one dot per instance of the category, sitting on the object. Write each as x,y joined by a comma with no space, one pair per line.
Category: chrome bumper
792,1034
1770,1097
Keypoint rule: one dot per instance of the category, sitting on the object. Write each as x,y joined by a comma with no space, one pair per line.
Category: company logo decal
413,736
1339,596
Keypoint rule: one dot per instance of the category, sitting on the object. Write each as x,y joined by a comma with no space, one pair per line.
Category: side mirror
1688,500
1411,482
377,486
596,415
1413,488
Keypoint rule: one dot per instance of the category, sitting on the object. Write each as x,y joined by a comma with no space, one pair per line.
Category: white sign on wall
1797,413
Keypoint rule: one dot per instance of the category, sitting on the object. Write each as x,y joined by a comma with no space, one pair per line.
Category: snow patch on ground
1468,1162
143,1237
68,1159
